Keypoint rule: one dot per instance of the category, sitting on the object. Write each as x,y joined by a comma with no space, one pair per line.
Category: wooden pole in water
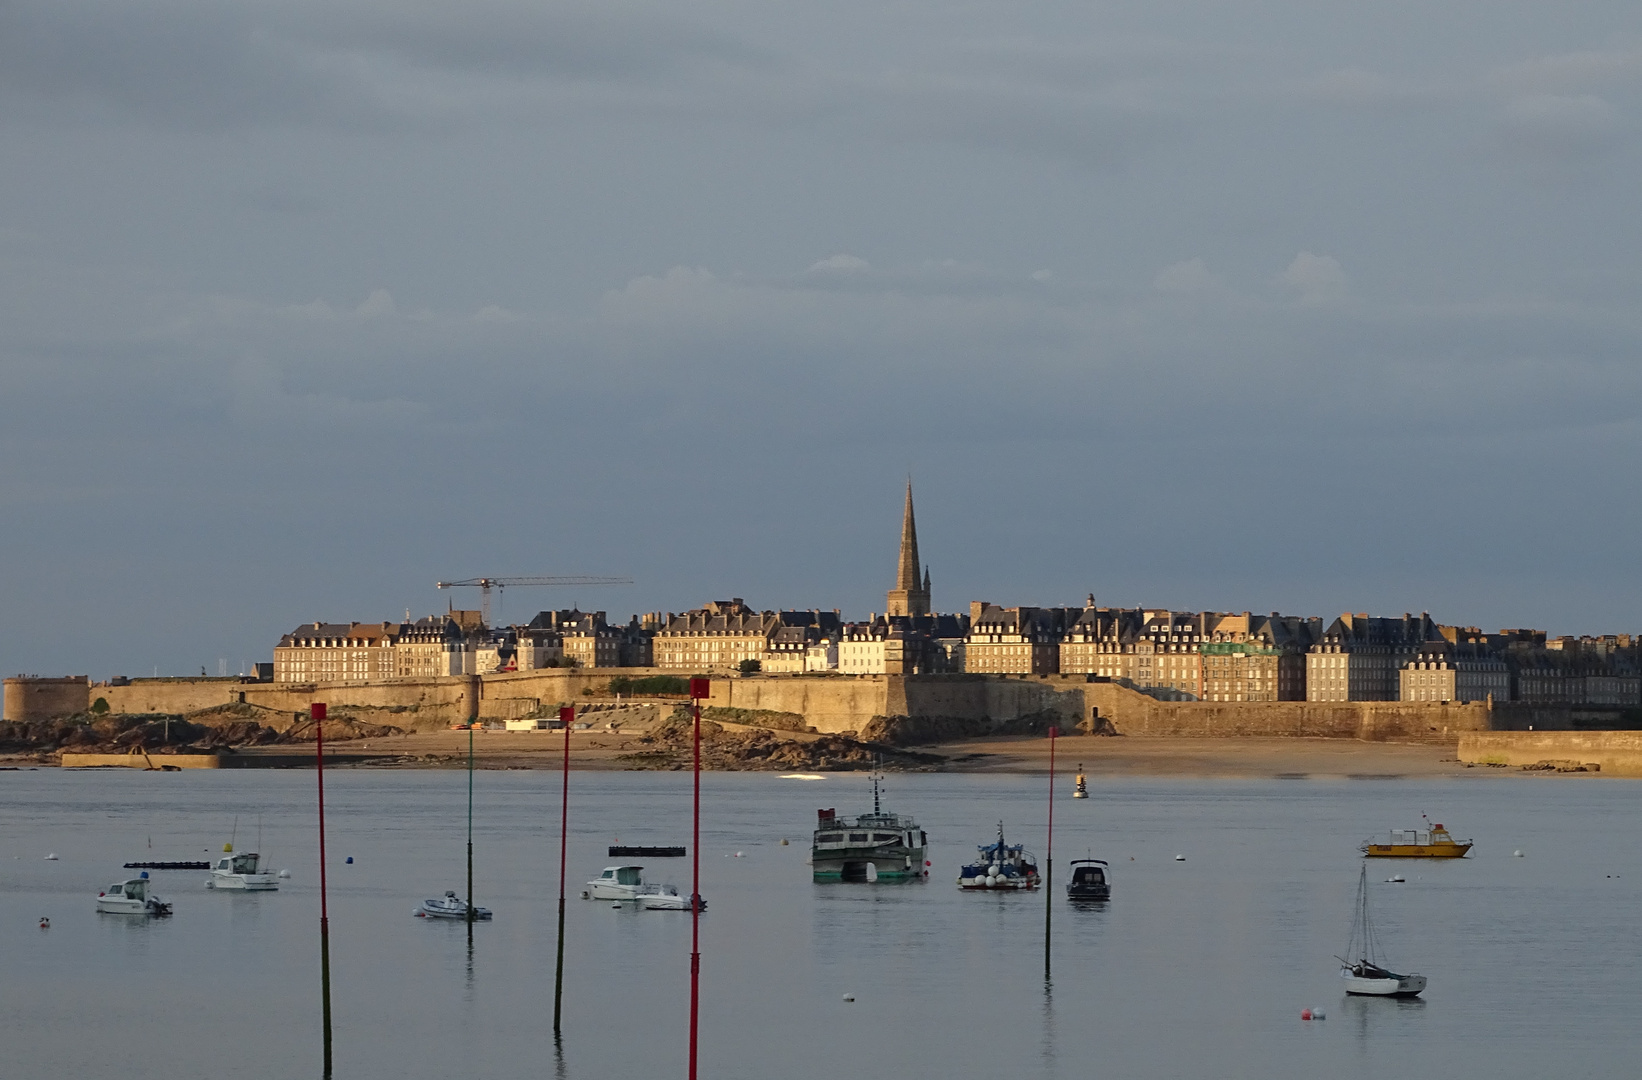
698,690
1049,863
566,715
317,712
470,829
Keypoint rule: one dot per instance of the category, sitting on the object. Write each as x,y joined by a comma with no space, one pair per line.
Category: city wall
32,698
829,703
1619,753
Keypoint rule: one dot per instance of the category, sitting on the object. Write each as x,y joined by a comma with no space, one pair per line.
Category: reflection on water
1194,968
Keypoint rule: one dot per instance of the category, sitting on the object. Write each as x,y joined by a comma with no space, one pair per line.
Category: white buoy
1517,854
993,870
52,857
872,872
849,997
1318,1014
1395,877
284,873
739,855
1180,858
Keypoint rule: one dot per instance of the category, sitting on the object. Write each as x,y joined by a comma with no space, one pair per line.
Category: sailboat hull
1403,986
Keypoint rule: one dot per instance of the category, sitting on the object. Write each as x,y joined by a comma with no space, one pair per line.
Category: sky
1258,305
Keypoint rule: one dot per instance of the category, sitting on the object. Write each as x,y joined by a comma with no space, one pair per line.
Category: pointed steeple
910,595
906,576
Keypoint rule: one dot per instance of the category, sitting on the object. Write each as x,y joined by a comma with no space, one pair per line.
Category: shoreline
592,751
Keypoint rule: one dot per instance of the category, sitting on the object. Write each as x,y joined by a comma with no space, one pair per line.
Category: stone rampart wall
171,695
29,699
1619,753
830,704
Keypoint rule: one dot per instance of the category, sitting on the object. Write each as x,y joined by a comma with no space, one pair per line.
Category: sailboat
1362,967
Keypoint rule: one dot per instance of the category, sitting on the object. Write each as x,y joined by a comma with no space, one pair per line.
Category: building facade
717,637
1442,671
1359,658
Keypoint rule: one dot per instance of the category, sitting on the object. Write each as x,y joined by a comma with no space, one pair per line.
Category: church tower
911,593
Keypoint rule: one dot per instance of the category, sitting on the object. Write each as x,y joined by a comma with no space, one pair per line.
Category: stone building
1015,641
1576,671
1359,658
1256,657
337,652
717,637
430,647
1153,651
798,632
1448,671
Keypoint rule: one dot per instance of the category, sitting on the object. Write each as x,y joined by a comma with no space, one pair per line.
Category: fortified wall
828,703
1618,753
31,698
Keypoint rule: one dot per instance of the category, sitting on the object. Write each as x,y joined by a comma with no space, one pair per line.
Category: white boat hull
119,905
1002,884
243,882
609,890
1401,986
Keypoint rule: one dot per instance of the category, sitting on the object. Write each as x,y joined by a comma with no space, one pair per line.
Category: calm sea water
1195,969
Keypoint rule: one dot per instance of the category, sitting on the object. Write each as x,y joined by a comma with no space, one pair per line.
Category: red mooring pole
317,712
698,690
566,715
1049,863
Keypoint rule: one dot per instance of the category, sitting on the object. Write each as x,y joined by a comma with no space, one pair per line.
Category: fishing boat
617,883
1091,880
449,906
243,871
1363,968
1002,865
1080,790
131,897
664,898
1431,842
876,846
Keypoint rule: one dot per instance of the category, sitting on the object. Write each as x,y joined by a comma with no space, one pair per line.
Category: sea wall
29,698
829,703
72,760
1619,753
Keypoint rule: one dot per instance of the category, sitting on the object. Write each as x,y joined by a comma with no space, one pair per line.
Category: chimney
975,609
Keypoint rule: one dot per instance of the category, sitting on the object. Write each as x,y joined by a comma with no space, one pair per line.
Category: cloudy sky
1263,305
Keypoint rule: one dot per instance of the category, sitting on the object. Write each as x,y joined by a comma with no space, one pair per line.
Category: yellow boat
1431,842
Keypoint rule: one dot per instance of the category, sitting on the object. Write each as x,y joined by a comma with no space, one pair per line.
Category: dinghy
449,906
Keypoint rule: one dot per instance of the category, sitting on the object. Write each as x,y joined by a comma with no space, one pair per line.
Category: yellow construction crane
485,584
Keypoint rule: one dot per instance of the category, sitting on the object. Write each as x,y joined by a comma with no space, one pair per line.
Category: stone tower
911,593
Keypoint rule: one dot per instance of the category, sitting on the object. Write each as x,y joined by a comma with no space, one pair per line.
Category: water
1195,969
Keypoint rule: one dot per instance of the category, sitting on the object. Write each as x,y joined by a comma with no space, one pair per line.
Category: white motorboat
664,898
617,883
242,871
1362,968
132,897
449,906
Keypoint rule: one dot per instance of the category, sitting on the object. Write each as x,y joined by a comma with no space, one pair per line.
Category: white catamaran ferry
874,846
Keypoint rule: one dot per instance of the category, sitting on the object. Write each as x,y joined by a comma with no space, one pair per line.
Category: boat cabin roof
1095,862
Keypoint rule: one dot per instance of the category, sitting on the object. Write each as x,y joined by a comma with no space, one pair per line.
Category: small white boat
1367,974
617,883
242,871
664,898
132,897
449,906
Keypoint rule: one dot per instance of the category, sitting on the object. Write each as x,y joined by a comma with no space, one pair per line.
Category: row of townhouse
456,643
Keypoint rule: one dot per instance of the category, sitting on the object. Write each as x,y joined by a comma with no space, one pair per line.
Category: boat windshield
245,864
628,875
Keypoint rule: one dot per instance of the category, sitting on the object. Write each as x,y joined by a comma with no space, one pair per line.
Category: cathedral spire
906,576
911,593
